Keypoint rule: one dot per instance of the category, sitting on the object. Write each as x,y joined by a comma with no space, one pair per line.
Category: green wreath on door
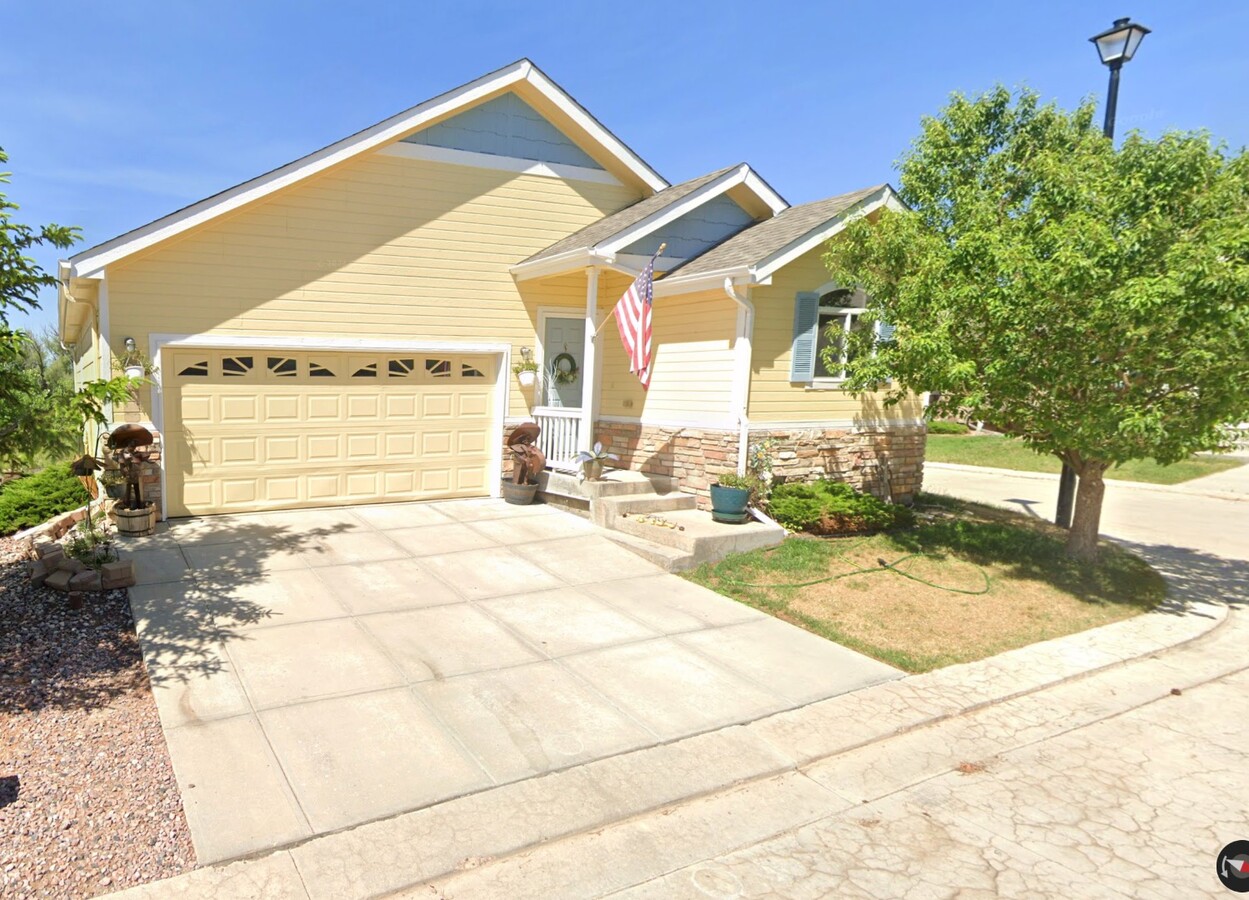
563,369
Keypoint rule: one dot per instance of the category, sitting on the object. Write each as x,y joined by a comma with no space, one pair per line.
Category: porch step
606,510
670,559
614,483
698,536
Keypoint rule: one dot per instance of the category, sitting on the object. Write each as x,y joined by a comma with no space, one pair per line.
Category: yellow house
346,328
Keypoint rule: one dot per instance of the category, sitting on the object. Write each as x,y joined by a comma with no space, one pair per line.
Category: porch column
590,365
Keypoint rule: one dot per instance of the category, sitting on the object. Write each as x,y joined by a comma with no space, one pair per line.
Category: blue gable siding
697,231
505,126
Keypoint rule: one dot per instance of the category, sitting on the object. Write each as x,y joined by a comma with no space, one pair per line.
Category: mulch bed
88,801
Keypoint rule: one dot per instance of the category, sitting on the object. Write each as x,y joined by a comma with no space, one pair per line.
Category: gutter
745,337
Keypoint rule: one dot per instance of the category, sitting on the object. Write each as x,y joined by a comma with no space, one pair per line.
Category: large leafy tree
41,413
1092,302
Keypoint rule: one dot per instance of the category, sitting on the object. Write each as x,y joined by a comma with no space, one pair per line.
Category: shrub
833,507
940,427
31,501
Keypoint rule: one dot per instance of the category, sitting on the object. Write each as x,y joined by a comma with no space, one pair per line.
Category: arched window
840,312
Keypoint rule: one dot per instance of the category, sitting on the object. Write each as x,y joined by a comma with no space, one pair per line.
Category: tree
40,411
1092,302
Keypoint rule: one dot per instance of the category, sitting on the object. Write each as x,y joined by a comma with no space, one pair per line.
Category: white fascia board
589,124
819,235
90,262
742,276
764,192
662,217
502,163
158,342
636,262
568,261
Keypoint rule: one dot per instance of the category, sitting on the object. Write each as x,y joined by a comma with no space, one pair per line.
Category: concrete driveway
319,669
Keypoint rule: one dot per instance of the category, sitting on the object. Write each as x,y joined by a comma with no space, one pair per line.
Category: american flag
633,318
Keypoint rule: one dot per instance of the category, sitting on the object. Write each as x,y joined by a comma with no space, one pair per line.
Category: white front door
563,353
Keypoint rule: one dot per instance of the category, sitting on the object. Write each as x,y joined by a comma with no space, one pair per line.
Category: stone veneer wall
872,460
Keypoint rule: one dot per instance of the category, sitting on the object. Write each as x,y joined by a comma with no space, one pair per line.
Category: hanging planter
527,377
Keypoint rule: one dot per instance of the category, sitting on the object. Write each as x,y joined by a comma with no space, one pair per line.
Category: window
840,312
824,320
236,366
283,366
467,371
366,371
438,368
402,368
196,370
317,370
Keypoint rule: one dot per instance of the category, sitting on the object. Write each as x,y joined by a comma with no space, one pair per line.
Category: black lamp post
1116,45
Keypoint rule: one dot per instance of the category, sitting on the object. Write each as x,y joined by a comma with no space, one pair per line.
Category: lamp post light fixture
1116,45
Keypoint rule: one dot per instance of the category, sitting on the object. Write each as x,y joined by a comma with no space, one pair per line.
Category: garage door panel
259,429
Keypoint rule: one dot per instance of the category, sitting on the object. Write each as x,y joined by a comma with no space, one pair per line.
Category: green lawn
966,582
1004,453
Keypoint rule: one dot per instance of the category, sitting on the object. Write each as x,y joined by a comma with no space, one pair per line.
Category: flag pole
658,253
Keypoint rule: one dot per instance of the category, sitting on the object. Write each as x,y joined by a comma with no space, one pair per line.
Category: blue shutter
806,330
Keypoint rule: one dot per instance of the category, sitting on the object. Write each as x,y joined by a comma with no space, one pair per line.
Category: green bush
833,507
26,502
947,428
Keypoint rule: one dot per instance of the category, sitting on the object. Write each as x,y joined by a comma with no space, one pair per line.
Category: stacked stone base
52,568
886,462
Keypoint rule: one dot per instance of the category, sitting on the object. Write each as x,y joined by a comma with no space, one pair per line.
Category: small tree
1092,302
40,411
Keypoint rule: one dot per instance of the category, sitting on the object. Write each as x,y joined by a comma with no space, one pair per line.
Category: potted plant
526,371
113,482
528,462
592,461
730,497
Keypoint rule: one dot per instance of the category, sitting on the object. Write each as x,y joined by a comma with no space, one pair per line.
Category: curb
377,857
1110,482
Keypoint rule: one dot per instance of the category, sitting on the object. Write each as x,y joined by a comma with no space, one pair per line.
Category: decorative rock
117,575
47,548
85,581
38,571
59,580
71,565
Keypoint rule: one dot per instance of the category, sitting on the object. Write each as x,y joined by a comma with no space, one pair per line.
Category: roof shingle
761,240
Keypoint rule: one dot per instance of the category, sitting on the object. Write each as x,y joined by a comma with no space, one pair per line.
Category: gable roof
522,73
765,247
611,233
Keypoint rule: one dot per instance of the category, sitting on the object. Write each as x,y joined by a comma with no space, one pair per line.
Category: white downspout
741,381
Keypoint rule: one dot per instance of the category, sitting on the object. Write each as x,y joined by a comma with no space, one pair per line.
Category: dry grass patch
966,582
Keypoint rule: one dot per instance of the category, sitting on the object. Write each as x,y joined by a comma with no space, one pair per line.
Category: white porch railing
561,430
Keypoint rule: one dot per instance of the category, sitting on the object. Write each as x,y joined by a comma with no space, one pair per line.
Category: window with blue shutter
806,332
884,332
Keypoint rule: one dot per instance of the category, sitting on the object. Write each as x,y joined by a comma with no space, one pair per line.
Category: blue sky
117,113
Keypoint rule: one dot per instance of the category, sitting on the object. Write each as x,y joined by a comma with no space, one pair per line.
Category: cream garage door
273,429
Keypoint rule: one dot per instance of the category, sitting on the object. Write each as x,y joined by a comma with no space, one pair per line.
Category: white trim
106,342
708,281
859,424
159,342
561,264
822,233
90,262
501,163
673,211
586,122
636,262
726,425
591,363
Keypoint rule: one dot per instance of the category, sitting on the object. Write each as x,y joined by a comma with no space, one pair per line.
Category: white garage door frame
160,342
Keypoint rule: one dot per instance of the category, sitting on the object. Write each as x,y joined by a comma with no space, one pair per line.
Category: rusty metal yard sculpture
528,461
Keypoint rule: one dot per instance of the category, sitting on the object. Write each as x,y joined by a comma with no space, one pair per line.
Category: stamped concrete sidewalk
321,669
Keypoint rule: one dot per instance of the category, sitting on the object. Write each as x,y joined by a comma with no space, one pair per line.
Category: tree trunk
1085,524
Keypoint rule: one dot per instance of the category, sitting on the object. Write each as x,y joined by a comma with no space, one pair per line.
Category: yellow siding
773,398
692,380
379,248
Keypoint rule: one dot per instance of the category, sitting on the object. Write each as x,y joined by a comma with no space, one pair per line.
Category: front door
563,352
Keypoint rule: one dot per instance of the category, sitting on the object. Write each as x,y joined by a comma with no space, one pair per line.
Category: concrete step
606,510
703,539
614,483
670,559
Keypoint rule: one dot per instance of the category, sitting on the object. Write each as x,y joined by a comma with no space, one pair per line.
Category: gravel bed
88,801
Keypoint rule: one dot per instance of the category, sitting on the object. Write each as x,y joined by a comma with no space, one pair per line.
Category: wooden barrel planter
136,522
519,494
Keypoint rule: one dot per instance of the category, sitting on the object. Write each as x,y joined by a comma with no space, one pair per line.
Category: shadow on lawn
54,657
